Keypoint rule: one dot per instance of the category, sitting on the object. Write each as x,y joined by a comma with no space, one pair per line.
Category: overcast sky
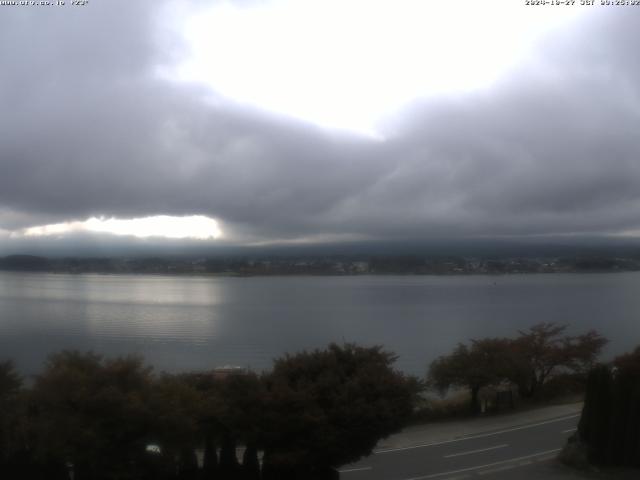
319,121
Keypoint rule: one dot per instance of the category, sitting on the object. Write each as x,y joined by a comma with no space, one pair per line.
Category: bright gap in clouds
349,63
192,227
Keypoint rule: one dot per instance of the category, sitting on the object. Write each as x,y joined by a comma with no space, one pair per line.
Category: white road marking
471,437
544,459
479,467
476,451
361,469
569,430
497,469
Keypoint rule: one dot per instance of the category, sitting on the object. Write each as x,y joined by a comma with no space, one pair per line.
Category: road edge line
474,436
478,467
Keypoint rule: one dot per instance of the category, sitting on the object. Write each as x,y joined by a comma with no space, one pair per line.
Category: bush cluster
115,419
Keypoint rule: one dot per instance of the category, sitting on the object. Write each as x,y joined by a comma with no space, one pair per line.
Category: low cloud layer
91,129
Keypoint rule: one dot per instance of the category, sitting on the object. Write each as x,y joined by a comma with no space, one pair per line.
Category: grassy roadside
435,409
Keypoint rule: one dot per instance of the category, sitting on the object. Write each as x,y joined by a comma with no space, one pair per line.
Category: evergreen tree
596,416
610,421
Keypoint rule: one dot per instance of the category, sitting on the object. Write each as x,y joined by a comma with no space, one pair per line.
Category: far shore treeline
334,264
88,417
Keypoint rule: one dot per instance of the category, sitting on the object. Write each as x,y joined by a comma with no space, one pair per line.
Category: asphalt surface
490,454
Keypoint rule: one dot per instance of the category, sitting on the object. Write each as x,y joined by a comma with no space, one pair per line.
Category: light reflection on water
181,323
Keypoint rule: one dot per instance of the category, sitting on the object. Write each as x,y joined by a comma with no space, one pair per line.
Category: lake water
184,323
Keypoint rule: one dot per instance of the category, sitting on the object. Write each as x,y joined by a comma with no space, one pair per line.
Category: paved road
490,454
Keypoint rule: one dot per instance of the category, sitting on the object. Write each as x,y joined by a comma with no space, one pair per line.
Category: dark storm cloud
91,129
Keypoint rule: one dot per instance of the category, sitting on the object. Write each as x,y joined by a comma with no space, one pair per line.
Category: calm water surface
181,323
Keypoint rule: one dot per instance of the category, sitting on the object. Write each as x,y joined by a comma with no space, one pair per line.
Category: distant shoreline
318,267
